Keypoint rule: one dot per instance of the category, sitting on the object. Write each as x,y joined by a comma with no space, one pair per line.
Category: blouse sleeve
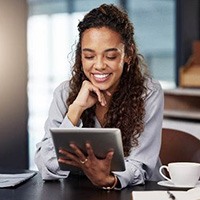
45,157
142,161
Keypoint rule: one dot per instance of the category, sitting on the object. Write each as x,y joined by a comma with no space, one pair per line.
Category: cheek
120,69
119,66
86,70
121,61
85,65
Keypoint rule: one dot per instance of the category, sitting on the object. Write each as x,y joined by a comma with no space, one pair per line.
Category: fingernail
87,145
111,154
71,145
103,103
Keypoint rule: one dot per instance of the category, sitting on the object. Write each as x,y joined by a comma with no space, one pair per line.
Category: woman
109,88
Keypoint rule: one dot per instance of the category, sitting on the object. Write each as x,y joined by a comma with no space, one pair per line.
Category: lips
101,77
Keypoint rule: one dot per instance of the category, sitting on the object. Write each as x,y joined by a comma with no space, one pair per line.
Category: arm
45,157
62,116
141,162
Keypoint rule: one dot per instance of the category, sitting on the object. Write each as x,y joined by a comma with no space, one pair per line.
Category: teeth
101,75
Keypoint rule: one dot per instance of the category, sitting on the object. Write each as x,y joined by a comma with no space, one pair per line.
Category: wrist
112,183
74,113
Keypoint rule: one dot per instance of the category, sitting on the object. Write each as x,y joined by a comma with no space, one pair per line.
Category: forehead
101,38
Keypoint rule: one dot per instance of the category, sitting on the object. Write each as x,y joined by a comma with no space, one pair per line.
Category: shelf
182,114
182,103
183,92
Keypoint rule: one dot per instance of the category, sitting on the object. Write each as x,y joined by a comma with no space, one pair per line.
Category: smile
101,77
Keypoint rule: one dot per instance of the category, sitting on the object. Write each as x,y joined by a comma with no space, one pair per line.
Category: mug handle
161,172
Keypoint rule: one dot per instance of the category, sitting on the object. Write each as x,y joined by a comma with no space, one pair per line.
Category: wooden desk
73,188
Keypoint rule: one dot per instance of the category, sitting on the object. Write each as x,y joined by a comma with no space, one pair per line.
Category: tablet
101,139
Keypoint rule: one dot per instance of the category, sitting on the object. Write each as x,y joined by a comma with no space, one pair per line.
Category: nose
99,64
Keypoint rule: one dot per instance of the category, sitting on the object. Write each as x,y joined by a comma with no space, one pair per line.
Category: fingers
108,93
67,156
78,152
90,151
68,162
92,156
109,155
100,96
93,89
76,159
89,163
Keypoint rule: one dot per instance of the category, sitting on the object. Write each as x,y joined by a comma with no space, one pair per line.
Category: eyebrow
107,50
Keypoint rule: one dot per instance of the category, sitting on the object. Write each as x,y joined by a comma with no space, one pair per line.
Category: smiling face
103,57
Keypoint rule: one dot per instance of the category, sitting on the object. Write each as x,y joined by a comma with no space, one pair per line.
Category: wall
13,83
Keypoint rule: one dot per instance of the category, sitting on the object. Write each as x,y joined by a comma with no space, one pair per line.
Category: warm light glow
50,41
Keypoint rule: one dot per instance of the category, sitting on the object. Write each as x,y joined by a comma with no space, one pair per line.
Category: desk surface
73,188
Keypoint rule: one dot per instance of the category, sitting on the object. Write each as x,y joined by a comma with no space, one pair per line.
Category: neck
100,113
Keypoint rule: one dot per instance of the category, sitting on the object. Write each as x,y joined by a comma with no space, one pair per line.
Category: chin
103,88
100,86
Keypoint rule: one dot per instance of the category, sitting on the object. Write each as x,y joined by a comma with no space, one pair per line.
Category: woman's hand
89,95
86,98
97,170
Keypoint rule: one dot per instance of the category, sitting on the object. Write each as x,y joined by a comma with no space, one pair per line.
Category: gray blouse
142,163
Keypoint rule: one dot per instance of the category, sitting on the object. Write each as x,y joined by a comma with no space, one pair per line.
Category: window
154,22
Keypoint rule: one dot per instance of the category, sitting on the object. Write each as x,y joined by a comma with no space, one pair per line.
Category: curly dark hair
127,109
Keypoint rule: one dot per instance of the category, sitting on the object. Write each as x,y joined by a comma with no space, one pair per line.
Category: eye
111,57
89,57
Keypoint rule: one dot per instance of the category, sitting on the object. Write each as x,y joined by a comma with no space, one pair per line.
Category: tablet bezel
101,139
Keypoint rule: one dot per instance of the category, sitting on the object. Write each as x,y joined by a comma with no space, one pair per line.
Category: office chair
179,146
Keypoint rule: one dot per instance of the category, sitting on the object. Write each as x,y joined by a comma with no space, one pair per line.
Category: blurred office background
46,34
52,33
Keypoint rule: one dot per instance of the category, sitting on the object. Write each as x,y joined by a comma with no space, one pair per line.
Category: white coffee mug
182,173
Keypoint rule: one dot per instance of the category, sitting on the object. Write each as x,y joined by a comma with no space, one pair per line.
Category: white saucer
171,185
